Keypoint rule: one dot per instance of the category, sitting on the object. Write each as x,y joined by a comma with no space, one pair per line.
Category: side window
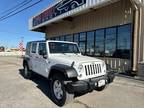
28,48
34,47
42,49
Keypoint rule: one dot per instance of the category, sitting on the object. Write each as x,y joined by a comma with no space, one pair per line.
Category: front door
41,61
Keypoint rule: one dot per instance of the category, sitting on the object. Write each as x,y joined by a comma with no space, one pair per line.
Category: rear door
33,56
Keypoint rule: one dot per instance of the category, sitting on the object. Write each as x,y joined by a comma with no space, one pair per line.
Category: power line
21,10
17,8
13,7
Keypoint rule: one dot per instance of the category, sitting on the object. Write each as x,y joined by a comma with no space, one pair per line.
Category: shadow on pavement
42,83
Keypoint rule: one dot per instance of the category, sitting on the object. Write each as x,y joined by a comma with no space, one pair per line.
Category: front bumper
89,84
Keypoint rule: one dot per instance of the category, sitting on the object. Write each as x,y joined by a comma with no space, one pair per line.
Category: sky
14,28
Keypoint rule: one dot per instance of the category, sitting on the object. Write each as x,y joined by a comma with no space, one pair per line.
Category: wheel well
25,63
55,71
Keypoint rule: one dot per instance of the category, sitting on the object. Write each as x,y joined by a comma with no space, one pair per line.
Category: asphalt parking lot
17,92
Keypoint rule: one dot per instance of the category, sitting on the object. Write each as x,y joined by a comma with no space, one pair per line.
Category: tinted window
42,48
99,42
90,43
82,42
124,33
69,38
62,38
57,38
52,38
28,47
110,42
76,38
124,40
82,36
34,47
58,47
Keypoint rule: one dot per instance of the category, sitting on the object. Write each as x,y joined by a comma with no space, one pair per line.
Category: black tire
100,88
65,97
27,72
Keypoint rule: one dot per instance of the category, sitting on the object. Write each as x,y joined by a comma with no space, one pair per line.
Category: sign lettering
58,9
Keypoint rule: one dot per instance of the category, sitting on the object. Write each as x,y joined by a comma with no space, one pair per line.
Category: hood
70,58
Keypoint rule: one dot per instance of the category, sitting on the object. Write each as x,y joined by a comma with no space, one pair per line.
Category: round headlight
80,67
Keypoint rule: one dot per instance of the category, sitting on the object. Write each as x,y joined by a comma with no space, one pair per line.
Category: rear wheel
59,94
27,72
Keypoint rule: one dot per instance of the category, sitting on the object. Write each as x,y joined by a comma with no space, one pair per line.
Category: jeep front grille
93,69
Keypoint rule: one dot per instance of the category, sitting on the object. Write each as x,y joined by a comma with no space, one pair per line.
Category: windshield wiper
76,53
63,53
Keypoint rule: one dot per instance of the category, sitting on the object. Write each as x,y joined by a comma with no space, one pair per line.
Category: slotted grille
93,69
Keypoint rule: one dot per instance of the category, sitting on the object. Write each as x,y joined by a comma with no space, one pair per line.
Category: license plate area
101,83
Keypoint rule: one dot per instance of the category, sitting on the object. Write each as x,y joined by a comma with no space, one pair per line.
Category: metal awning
65,9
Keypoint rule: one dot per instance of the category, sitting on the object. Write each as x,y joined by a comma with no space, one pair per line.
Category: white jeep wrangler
68,71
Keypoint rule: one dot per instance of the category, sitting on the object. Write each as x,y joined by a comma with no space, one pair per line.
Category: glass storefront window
76,38
90,43
99,42
82,47
82,36
123,43
110,42
53,38
82,42
57,38
62,38
69,38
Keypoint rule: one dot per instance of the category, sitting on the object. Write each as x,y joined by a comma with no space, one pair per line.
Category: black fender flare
67,71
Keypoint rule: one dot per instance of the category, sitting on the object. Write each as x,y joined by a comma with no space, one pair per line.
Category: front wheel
100,88
59,94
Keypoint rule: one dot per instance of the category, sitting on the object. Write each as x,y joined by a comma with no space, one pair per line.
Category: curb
134,78
128,81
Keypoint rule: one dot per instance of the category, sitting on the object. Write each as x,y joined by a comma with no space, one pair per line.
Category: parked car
68,71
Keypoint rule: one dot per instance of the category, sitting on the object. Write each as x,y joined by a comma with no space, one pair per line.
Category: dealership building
112,30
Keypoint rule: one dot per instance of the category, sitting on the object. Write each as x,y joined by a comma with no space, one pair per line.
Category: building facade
111,30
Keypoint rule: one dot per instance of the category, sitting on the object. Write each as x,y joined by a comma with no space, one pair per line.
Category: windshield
58,47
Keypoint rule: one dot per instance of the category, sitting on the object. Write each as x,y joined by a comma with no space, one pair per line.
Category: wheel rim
57,88
26,71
